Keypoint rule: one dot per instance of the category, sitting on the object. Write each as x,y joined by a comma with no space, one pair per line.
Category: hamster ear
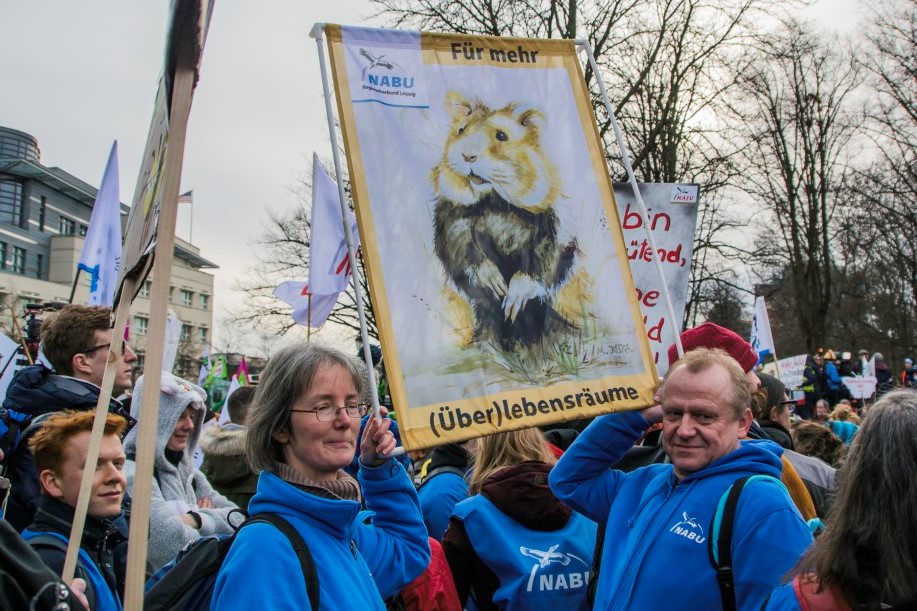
457,106
529,117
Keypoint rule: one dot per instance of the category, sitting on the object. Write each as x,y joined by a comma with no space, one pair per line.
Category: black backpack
187,583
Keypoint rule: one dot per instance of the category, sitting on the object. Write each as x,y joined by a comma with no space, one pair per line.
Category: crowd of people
726,493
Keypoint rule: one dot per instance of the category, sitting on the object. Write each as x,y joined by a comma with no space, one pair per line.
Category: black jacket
102,541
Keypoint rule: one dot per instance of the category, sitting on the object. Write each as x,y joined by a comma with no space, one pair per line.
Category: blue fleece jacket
357,563
655,552
438,497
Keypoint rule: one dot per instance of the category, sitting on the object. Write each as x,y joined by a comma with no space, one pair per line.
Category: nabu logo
689,529
548,581
379,79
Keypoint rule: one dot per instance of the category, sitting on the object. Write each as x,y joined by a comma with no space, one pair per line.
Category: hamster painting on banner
496,229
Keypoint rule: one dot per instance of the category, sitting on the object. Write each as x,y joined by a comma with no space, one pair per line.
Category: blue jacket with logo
655,552
537,569
357,563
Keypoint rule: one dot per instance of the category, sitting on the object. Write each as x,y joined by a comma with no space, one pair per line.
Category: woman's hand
377,442
205,502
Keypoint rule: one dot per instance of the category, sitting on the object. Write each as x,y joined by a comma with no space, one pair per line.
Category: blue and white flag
762,341
101,256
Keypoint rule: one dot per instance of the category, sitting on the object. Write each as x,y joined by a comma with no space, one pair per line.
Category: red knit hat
709,335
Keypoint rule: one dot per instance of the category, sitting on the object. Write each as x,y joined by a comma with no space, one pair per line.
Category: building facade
44,214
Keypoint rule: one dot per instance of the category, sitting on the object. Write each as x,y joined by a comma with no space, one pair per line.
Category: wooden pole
183,85
76,278
98,428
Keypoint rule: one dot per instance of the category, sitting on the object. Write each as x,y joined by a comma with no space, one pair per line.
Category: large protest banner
672,210
502,299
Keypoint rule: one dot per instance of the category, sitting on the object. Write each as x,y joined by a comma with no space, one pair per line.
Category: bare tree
282,253
793,93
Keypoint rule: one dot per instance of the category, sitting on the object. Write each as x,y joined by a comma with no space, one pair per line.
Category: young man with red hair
60,447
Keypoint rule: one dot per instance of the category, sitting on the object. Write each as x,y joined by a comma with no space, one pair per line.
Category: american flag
186,198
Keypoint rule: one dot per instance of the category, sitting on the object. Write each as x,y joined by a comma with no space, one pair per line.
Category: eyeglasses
790,405
327,413
94,348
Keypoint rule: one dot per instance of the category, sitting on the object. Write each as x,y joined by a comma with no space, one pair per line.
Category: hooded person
183,504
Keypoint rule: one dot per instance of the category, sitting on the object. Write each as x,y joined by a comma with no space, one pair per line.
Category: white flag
224,413
761,339
101,256
205,367
329,265
297,295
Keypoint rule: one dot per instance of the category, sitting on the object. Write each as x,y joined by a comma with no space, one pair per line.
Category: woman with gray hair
302,430
867,558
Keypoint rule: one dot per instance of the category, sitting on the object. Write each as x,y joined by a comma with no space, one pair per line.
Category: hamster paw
522,289
486,275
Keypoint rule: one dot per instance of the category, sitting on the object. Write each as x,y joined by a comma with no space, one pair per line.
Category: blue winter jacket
655,553
438,497
358,564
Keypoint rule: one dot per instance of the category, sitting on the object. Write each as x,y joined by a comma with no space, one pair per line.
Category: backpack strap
299,546
719,543
439,471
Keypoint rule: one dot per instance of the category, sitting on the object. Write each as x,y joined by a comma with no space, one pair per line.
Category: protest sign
861,387
502,299
791,369
672,209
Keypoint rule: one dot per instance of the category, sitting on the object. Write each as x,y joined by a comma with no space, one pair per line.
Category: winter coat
440,493
102,542
655,551
516,546
225,464
177,488
359,561
776,432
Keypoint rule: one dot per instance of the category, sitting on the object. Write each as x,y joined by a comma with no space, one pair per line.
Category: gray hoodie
176,489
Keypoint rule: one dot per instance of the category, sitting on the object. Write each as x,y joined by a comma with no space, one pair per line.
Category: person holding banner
183,504
658,557
302,431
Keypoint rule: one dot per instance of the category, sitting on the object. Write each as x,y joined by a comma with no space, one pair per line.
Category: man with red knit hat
661,515
713,336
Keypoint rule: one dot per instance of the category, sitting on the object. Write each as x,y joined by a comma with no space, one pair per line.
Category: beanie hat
710,335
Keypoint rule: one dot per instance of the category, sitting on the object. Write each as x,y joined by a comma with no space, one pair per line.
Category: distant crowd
727,493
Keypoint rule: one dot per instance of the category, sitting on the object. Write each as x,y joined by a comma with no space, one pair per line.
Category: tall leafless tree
792,106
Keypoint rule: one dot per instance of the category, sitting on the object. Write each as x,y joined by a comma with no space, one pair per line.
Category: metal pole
625,159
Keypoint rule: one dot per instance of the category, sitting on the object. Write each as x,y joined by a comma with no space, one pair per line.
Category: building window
185,333
141,323
10,198
2,255
187,298
141,360
83,229
41,213
18,260
66,226
205,301
202,334
145,289
39,265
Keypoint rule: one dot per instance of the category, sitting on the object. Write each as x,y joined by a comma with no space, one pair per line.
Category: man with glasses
76,341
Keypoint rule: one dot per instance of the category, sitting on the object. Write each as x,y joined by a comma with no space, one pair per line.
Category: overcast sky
77,75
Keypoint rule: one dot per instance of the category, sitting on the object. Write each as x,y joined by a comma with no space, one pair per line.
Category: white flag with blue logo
762,341
101,256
